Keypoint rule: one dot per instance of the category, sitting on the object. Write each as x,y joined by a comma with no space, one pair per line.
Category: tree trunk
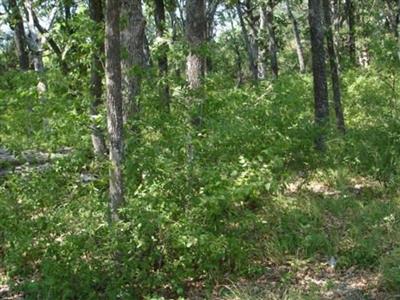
251,52
296,33
195,35
159,16
318,65
211,9
52,43
262,42
114,106
133,62
17,24
392,14
96,87
350,14
334,69
34,40
272,44
336,6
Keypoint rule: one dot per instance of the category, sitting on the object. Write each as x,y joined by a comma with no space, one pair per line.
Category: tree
34,39
17,24
159,17
334,68
195,35
211,9
133,59
251,46
296,33
96,72
45,32
321,107
114,106
272,43
351,42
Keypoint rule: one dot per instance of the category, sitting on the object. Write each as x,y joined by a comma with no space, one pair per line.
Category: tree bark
251,52
262,42
272,43
34,39
334,69
211,9
17,25
296,33
133,62
159,16
350,14
114,106
96,72
195,36
52,43
393,16
321,107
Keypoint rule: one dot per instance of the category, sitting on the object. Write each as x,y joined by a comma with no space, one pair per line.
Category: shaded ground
312,281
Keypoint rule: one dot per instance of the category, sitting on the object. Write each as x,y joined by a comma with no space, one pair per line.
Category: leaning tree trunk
350,14
296,33
251,51
133,63
96,71
334,69
114,106
318,65
17,24
159,16
272,43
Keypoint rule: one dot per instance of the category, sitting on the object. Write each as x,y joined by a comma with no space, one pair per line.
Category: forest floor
294,279
314,278
311,281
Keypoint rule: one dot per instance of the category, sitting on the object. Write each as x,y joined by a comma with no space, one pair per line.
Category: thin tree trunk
321,107
114,106
334,69
272,43
35,44
262,41
175,28
350,14
249,46
296,33
336,4
17,25
392,14
159,16
133,63
211,9
147,52
96,71
52,43
236,49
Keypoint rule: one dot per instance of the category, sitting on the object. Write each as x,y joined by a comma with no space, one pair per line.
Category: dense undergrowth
235,218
